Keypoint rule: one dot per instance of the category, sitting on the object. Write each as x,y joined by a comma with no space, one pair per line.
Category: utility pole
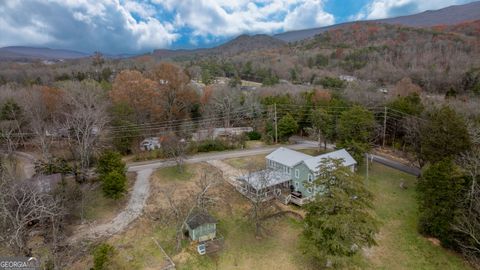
384,126
276,120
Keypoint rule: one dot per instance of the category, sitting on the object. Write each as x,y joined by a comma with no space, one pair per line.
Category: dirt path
230,173
131,212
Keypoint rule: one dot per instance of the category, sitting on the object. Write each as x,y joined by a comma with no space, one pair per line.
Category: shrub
110,161
101,256
114,185
211,145
254,135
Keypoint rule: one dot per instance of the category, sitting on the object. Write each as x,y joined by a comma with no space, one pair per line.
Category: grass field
399,244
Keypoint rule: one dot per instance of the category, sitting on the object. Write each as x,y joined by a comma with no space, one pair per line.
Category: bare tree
470,163
181,209
85,120
41,116
468,225
225,102
261,197
23,208
175,148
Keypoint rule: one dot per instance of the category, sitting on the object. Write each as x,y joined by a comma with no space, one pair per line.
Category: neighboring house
201,226
289,175
347,78
215,133
150,144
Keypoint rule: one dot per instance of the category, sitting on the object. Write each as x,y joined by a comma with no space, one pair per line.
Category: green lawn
400,246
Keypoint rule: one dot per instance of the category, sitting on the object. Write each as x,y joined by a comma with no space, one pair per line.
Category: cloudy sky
127,26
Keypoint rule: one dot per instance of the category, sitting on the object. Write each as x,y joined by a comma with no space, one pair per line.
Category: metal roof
312,163
265,178
199,218
287,156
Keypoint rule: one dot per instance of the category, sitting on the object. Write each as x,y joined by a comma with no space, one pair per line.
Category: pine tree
339,221
439,194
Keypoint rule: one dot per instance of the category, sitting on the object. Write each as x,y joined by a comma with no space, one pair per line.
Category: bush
114,185
332,83
211,145
110,161
101,256
254,135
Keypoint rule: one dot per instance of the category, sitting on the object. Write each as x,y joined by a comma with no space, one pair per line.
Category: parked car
150,144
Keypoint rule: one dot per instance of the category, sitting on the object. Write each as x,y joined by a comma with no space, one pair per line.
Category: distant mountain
242,43
447,16
19,53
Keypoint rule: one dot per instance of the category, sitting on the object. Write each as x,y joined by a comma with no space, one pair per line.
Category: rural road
138,166
395,164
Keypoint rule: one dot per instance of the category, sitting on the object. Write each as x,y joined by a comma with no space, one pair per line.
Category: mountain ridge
446,16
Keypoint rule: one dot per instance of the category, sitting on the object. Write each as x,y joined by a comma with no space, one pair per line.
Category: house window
310,178
310,190
297,173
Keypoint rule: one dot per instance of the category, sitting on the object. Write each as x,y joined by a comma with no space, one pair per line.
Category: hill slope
446,16
33,53
243,43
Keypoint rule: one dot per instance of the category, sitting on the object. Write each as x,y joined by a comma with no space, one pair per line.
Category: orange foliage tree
139,93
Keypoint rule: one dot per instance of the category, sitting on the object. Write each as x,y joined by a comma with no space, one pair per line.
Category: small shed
201,226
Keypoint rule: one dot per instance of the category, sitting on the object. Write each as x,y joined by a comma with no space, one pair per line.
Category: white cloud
127,26
379,9
88,25
228,18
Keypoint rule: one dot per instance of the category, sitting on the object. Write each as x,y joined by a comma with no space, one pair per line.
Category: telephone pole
276,120
384,126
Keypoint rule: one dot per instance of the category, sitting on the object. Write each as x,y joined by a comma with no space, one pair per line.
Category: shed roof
199,218
312,163
265,178
287,156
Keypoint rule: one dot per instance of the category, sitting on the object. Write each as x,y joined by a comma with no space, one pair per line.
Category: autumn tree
406,87
176,96
132,89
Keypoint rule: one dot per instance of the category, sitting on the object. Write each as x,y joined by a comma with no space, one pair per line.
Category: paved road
395,164
138,166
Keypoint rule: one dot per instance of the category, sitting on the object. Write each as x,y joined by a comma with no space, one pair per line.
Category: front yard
399,244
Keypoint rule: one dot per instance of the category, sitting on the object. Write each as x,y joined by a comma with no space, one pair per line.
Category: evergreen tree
114,185
355,131
445,135
439,195
287,126
110,161
339,222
